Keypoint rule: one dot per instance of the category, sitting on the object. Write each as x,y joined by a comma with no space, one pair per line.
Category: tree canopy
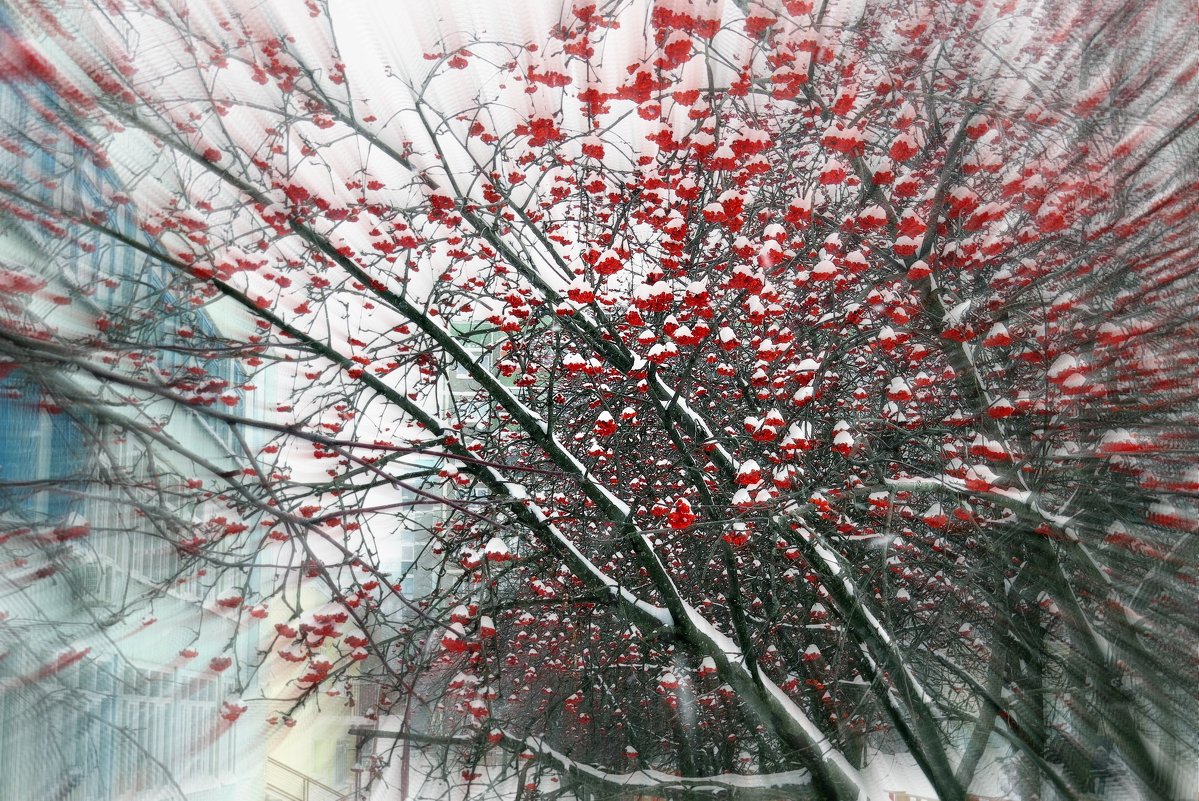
776,390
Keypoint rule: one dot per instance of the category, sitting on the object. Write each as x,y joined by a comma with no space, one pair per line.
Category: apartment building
107,689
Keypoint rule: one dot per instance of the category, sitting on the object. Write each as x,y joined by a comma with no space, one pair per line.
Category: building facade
107,689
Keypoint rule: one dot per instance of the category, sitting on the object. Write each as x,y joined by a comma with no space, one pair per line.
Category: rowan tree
783,388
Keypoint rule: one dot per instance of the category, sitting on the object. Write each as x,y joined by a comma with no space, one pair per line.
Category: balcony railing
284,783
